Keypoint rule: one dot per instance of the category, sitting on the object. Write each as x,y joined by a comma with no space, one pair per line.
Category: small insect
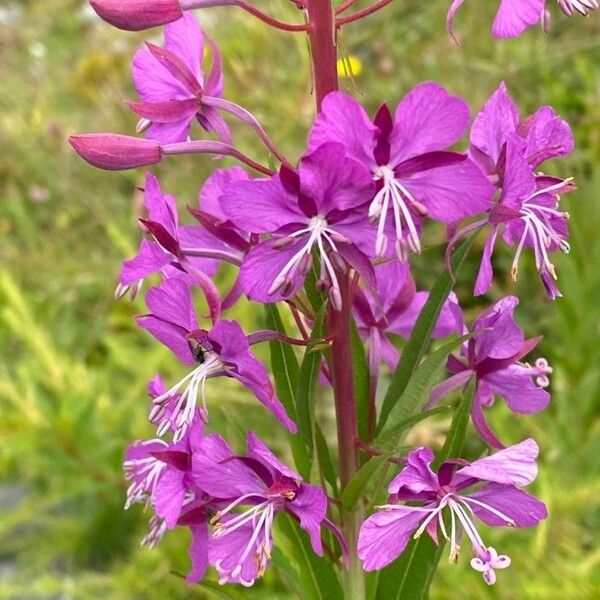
197,350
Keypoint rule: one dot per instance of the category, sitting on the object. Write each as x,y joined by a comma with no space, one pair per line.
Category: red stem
321,24
365,12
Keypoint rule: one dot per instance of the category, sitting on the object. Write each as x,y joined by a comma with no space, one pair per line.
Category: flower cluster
336,231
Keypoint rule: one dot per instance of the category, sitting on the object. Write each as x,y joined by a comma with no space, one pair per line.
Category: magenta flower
160,472
406,155
515,16
314,208
510,150
175,249
487,489
241,541
393,310
222,351
171,84
493,356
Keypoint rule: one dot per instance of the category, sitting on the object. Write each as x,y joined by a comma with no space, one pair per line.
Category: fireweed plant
327,240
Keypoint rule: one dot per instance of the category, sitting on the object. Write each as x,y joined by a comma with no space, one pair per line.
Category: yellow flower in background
349,66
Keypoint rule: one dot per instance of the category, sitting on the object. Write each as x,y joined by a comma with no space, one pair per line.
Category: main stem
322,34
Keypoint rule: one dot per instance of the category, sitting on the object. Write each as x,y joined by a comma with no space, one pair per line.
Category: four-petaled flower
241,541
487,489
406,155
222,351
171,84
509,150
313,209
493,356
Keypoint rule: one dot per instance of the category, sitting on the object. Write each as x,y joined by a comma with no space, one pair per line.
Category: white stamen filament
261,516
183,413
401,200
468,500
318,231
540,232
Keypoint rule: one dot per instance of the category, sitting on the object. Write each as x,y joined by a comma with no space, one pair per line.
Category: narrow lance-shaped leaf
307,381
325,461
285,370
410,576
416,393
421,334
319,580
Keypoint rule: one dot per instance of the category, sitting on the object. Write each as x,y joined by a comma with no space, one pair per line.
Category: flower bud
116,152
136,15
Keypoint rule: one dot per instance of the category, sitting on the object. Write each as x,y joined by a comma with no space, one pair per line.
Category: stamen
183,413
510,522
402,201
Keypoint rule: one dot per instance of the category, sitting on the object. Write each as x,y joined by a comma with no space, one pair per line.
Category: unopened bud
136,15
115,152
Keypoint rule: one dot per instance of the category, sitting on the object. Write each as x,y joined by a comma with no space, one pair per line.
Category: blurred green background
74,367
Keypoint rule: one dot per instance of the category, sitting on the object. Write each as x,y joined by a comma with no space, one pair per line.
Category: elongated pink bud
116,152
136,15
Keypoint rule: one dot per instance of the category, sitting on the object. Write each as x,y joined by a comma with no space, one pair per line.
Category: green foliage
74,369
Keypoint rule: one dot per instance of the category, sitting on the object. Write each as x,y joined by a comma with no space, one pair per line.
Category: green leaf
421,334
324,458
410,576
305,390
284,366
352,492
361,379
416,393
319,580
390,440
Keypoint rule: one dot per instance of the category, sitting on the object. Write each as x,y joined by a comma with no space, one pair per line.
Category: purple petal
427,119
213,187
389,353
524,509
170,133
172,302
168,496
519,180
485,275
226,551
480,423
198,552
185,39
310,506
359,262
216,472
416,476
505,337
515,465
262,266
334,181
260,205
514,16
153,81
515,384
342,119
391,277
235,352
547,135
451,193
384,536
172,336
211,120
151,258
162,208
498,118
257,449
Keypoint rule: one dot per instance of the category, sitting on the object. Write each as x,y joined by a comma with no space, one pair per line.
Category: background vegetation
74,367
